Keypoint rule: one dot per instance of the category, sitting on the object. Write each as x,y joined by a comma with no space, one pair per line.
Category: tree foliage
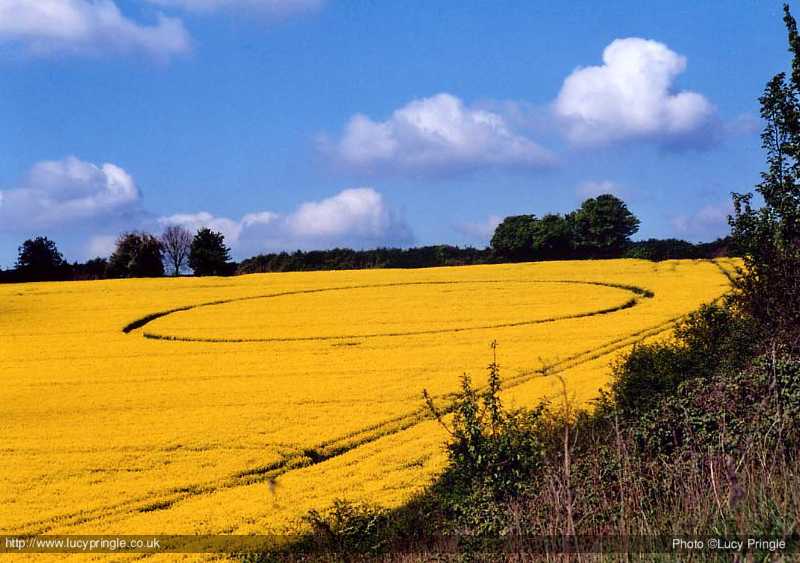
137,255
350,259
603,226
208,255
513,237
553,237
769,236
94,269
39,259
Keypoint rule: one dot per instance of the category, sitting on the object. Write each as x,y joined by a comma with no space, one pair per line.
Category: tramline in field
235,405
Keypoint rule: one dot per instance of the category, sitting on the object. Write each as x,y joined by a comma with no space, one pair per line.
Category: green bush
710,339
725,412
662,249
493,452
348,528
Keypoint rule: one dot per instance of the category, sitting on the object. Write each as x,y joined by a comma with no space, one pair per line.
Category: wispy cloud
276,9
707,222
479,232
101,246
66,27
594,188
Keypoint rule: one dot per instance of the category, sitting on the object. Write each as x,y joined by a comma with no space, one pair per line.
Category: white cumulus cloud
360,212
86,26
631,96
87,205
436,135
60,192
357,217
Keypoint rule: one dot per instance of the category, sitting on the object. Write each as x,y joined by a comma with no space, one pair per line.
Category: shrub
348,528
727,412
711,339
493,453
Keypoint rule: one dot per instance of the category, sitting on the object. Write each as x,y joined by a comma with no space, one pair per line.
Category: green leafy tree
39,259
603,226
137,255
208,255
552,237
769,236
94,269
513,237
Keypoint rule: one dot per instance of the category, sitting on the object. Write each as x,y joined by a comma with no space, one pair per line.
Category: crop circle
387,310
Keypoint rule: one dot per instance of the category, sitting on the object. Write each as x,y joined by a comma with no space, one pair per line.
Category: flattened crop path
631,301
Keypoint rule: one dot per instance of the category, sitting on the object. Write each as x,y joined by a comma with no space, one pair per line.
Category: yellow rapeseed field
235,405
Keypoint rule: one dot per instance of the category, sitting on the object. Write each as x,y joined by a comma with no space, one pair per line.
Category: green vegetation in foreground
696,437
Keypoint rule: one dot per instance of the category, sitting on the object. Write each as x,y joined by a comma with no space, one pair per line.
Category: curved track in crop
325,450
635,294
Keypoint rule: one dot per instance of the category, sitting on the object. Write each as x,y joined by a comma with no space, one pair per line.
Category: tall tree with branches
769,236
177,243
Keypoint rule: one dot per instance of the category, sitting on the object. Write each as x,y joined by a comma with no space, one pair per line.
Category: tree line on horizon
600,228
136,255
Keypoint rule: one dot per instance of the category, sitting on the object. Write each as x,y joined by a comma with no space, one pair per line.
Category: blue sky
314,123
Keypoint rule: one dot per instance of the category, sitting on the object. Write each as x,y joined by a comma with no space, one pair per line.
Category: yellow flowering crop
234,405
